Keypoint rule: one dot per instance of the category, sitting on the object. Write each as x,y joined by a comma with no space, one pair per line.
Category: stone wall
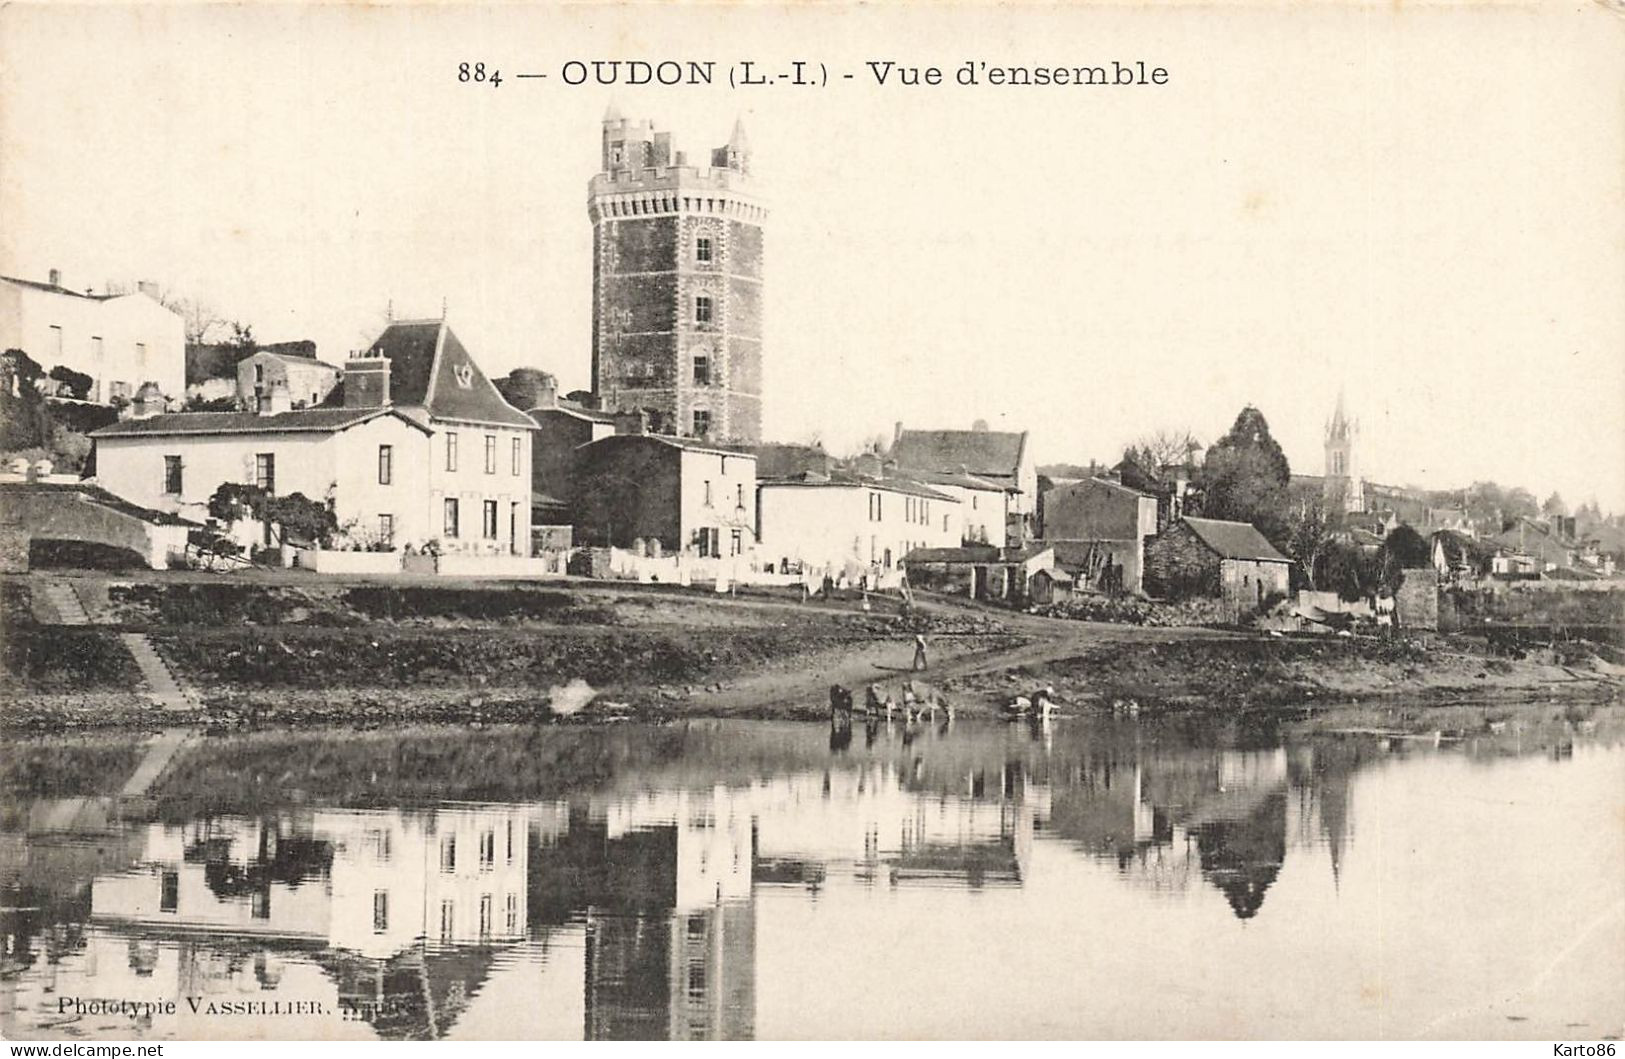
1179,566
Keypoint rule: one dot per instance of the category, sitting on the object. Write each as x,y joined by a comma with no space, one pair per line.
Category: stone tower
677,284
1345,491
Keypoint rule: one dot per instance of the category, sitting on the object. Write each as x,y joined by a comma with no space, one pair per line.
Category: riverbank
258,655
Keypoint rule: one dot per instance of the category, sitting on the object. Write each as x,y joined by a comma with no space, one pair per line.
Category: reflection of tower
677,283
713,973
1345,492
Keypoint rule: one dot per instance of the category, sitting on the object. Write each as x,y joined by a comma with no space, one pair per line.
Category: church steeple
1345,492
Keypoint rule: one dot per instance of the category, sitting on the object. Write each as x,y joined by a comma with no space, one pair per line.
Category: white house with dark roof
854,525
479,458
119,340
370,463
999,456
414,445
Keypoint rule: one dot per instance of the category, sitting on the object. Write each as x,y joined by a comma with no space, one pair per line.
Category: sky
1421,206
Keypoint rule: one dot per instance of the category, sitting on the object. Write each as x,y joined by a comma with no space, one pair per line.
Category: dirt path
802,684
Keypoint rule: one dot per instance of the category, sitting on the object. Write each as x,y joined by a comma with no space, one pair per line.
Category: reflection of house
666,880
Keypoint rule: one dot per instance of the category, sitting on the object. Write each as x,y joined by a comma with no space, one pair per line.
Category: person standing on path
919,651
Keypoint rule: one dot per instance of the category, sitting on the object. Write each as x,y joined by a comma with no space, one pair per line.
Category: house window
737,542
702,422
56,342
702,250
451,451
259,904
510,841
490,454
512,915
169,892
448,853
448,920
380,911
386,529
488,850
265,471
485,915
172,475
488,520
386,464
518,457
874,507
141,353
702,308
710,541
259,373
451,516
739,494
702,371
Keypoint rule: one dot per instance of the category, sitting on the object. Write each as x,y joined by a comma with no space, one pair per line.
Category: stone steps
160,752
64,604
162,688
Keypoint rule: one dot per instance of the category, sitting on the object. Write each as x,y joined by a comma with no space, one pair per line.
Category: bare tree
1164,448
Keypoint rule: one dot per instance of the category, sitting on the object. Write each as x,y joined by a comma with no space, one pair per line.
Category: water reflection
729,880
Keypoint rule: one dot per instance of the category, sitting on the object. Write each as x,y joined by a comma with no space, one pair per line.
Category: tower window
702,371
702,308
172,475
702,422
702,250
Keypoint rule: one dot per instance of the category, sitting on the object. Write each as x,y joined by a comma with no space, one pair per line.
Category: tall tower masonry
1345,490
677,284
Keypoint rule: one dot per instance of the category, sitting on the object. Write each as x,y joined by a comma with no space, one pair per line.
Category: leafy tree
294,516
300,518
1245,477
1403,549
1341,566
77,382
24,423
1554,506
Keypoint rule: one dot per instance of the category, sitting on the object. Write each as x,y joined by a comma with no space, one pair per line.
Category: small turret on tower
735,154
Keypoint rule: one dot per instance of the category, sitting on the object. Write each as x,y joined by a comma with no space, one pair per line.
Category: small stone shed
1217,559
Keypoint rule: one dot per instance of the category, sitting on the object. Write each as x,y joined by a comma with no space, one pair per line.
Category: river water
776,880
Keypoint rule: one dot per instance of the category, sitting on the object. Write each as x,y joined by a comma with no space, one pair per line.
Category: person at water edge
919,651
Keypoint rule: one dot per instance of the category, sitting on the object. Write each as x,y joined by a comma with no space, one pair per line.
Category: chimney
366,382
56,277
149,401
274,399
633,422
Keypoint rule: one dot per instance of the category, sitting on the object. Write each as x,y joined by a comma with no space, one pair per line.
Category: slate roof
969,553
431,368
688,444
962,479
58,289
979,452
1234,540
299,421
848,480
